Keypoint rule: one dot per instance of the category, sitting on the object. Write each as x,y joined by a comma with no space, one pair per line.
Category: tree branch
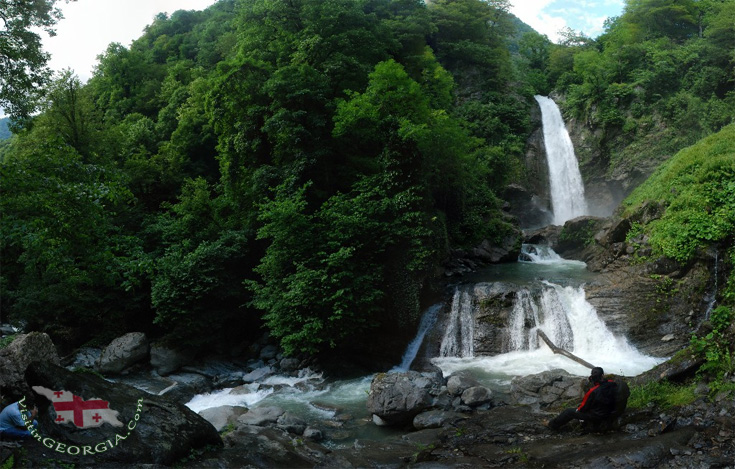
561,351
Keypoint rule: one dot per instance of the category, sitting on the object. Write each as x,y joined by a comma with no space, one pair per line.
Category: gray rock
86,357
435,419
458,382
268,352
221,416
261,416
549,389
165,360
398,397
476,396
186,385
123,352
162,433
291,423
257,374
313,434
289,364
251,446
15,358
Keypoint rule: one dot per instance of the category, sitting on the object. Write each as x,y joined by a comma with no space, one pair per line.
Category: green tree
68,264
23,71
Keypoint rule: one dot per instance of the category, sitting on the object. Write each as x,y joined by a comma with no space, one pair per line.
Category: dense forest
304,167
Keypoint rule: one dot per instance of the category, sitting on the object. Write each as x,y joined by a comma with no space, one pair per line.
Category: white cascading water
562,313
567,189
428,319
460,329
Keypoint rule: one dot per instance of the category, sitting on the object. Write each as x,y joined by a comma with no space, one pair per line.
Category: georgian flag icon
83,414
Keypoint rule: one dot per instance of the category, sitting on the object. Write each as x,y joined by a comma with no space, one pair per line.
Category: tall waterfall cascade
566,187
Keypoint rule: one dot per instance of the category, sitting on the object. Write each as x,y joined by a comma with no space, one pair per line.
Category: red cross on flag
83,414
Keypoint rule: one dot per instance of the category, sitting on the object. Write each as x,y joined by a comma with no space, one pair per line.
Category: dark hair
596,374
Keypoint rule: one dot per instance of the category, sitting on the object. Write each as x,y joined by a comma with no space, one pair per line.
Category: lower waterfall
562,312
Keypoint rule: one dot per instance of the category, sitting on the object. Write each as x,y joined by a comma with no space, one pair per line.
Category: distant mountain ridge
5,132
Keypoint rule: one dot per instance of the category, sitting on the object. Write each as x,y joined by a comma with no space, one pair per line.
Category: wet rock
313,434
261,416
397,398
577,234
616,233
476,396
458,382
163,432
123,352
184,386
15,358
436,419
531,209
165,360
268,352
291,423
222,416
506,251
257,374
289,364
253,446
85,357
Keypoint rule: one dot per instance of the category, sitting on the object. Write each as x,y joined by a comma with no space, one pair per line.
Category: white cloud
532,13
89,26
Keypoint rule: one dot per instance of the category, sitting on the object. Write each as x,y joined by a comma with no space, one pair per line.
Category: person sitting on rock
597,405
12,426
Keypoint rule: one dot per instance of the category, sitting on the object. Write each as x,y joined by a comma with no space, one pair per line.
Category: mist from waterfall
566,187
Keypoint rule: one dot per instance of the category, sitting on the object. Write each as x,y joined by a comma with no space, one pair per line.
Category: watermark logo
82,414
84,450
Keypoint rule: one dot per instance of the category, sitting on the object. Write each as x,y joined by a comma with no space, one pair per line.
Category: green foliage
659,79
72,264
9,463
716,346
697,188
662,394
23,71
306,163
5,341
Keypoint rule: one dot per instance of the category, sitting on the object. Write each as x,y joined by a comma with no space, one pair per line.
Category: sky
89,26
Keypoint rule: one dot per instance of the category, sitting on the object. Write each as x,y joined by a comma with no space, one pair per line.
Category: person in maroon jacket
597,405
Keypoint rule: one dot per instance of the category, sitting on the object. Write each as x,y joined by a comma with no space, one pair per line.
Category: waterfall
460,329
567,189
539,254
564,315
428,319
711,298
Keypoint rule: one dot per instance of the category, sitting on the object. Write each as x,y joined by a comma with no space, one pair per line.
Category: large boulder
155,430
549,389
123,352
396,398
505,251
15,358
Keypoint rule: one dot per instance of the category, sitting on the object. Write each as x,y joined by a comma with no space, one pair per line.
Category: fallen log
561,351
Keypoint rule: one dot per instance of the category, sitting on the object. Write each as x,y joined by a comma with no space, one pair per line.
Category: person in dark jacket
597,405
